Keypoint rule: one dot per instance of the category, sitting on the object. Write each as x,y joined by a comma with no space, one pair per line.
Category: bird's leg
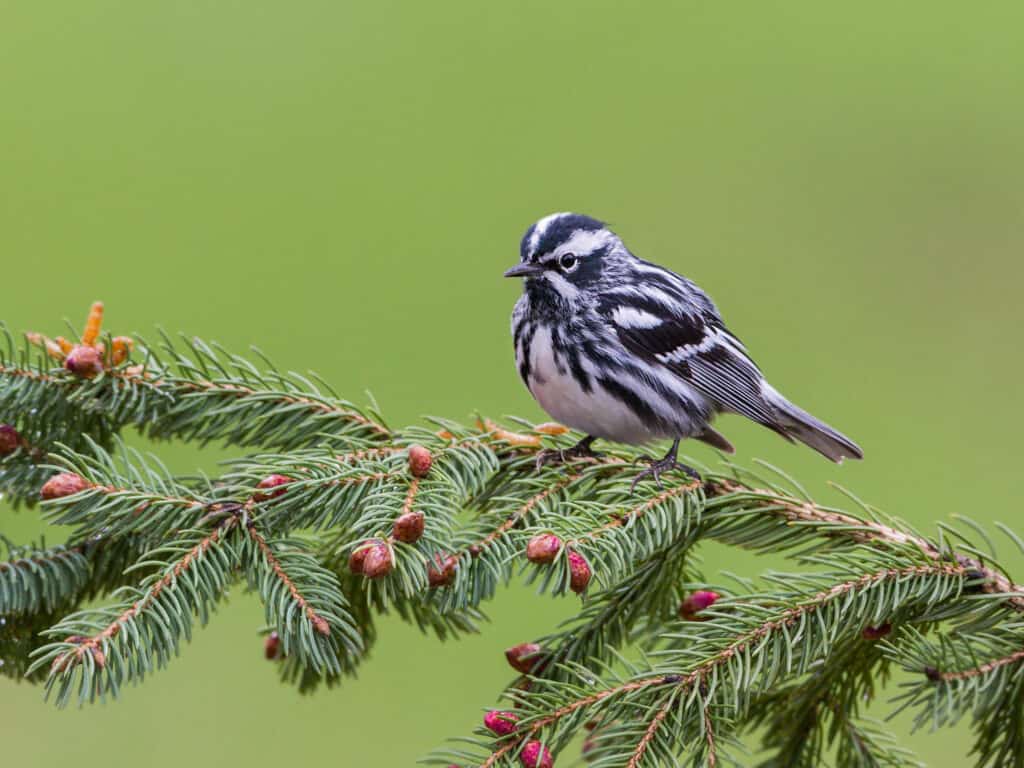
664,464
579,451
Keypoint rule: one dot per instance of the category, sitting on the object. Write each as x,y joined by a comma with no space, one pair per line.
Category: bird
627,351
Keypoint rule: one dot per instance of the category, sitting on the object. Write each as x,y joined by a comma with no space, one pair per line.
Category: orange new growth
93,325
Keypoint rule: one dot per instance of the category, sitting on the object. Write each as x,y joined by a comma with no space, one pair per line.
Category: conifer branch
428,523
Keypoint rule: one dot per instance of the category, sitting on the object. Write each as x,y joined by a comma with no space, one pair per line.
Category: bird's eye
568,262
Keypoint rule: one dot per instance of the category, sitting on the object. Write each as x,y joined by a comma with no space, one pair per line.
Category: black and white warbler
628,351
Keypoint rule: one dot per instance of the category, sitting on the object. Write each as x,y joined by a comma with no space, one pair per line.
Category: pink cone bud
876,633
84,361
272,646
271,481
441,571
378,561
64,484
10,440
420,461
523,657
579,572
697,602
408,527
500,723
536,755
543,548
355,560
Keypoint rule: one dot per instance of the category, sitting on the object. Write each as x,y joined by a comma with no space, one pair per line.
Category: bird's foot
658,466
581,450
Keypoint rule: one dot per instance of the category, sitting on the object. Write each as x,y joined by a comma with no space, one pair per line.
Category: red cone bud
272,646
588,746
378,561
579,572
876,633
543,548
355,560
271,481
84,361
500,723
523,657
536,755
441,572
10,440
696,603
420,460
408,527
64,484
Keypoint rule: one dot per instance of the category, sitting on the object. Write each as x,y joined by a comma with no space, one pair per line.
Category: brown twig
94,642
568,709
641,748
621,519
709,737
319,622
519,514
367,454
865,531
212,387
22,373
699,673
979,670
410,496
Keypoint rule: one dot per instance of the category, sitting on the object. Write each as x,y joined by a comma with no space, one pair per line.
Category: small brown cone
441,571
543,548
408,528
10,440
579,572
378,561
84,362
64,484
420,461
876,633
691,607
267,484
272,646
358,556
536,755
524,657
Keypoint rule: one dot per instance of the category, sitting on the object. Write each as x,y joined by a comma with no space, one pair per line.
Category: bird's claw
658,466
550,456
566,455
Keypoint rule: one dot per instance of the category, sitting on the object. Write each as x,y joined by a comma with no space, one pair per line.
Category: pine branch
429,523
104,648
304,602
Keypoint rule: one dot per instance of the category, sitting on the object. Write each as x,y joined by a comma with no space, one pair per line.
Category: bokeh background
342,184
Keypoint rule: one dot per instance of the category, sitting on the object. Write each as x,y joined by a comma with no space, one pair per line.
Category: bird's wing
658,322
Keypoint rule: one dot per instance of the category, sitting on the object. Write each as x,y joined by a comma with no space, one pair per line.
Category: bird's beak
524,270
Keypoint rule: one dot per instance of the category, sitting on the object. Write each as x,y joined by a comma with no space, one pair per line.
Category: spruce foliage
307,517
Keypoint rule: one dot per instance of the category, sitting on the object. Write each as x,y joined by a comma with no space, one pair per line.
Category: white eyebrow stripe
630,317
586,241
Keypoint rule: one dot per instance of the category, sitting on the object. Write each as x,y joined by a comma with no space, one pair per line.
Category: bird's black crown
548,233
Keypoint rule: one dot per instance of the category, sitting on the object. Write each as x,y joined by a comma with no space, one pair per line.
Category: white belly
596,412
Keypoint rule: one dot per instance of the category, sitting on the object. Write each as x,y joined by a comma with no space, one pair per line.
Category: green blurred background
342,184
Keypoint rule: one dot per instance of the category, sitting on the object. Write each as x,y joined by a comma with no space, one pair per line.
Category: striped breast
586,394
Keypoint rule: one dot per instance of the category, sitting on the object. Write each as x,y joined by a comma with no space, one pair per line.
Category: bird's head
565,256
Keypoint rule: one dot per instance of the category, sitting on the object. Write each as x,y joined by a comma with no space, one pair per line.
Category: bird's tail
797,424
